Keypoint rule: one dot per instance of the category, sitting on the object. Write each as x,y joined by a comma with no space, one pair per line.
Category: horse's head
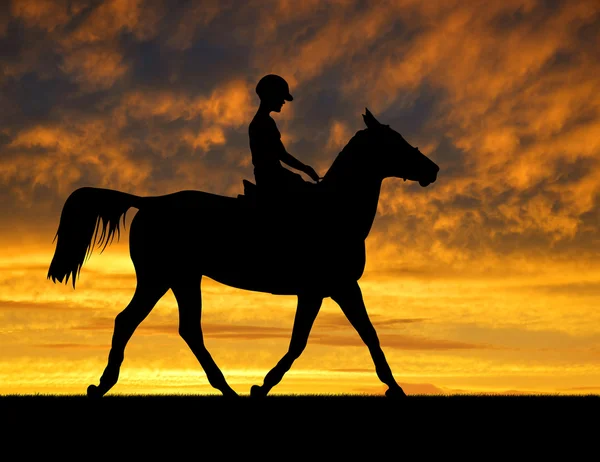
395,157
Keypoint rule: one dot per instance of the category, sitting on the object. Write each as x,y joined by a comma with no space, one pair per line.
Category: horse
177,238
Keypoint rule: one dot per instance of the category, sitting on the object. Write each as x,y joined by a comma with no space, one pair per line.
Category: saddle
295,213
250,194
285,218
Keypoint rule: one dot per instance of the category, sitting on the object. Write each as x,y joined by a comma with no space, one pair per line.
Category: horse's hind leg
308,308
189,300
147,293
351,302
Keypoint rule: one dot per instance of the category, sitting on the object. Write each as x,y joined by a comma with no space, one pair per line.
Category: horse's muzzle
428,181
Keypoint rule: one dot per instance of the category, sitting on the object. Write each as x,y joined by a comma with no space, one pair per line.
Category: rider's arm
288,159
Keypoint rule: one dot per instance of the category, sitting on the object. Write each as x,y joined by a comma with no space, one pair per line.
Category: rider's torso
272,178
264,143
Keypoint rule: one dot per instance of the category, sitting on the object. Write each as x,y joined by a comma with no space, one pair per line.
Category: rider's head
273,92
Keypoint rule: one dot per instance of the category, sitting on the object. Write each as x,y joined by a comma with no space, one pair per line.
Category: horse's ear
370,121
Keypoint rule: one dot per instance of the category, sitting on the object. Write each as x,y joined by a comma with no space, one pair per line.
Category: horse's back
234,242
187,201
196,224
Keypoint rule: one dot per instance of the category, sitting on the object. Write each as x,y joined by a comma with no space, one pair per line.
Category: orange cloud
68,151
95,67
339,135
46,14
206,138
505,109
228,105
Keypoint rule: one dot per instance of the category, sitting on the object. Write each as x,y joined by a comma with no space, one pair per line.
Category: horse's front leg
308,308
351,302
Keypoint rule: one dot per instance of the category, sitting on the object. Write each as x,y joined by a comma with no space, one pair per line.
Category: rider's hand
311,173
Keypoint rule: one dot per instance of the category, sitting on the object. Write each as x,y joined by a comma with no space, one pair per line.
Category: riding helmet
272,85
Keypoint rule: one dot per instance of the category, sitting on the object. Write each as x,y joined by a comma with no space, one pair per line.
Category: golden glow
441,334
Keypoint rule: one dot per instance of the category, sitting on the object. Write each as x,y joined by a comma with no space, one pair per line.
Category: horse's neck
355,194
359,206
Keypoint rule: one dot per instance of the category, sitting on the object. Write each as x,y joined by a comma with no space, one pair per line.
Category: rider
265,143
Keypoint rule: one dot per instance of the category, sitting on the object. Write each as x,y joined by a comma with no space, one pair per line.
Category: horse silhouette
177,238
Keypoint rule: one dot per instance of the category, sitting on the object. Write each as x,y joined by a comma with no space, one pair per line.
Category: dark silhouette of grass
322,427
338,407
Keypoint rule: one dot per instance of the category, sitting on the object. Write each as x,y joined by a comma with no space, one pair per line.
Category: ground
278,427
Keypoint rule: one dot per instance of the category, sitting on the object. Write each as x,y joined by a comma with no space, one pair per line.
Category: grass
284,406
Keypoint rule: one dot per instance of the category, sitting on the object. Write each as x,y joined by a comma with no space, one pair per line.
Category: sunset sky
486,281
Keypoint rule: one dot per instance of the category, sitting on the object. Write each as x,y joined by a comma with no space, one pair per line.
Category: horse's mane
340,163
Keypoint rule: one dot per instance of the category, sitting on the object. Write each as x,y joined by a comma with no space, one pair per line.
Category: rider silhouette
267,149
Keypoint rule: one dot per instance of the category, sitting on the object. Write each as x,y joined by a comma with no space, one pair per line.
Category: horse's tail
86,212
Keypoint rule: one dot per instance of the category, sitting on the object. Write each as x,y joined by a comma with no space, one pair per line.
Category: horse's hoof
93,392
230,394
257,392
395,393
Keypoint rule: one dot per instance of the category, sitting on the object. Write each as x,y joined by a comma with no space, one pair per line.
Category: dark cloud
250,332
356,369
17,306
70,346
513,338
339,321
575,289
582,390
401,342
